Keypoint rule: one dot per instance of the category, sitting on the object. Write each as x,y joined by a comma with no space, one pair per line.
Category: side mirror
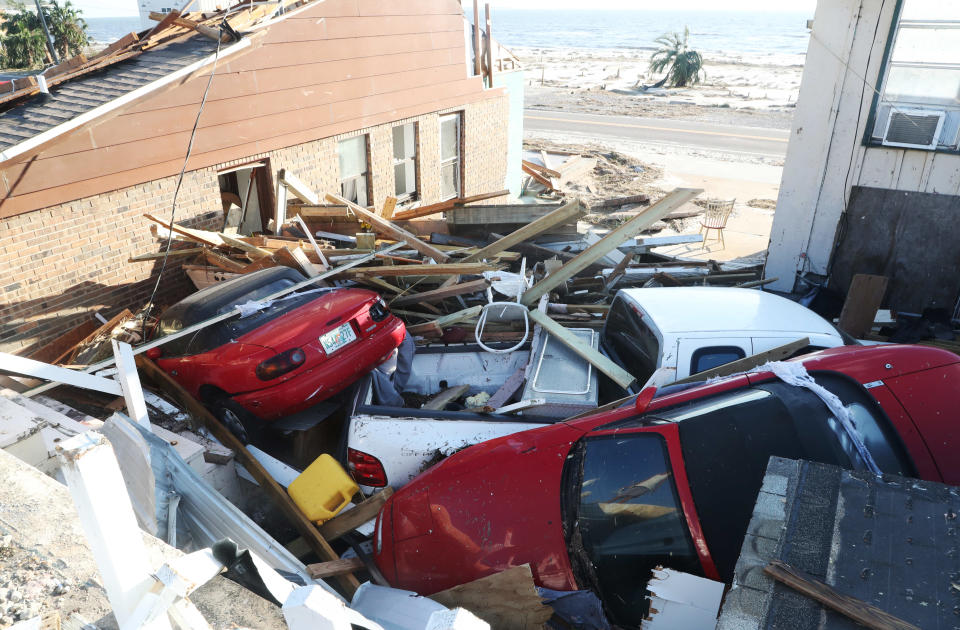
155,353
643,398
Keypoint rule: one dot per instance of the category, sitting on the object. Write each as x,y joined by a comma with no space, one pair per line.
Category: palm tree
68,28
24,44
685,65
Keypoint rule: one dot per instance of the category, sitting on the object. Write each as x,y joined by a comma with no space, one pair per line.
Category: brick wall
61,264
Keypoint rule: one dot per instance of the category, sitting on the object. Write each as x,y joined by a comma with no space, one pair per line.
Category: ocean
778,38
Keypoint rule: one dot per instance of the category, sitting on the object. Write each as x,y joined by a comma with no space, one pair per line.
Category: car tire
244,425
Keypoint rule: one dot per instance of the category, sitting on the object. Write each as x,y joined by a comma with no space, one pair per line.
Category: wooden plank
201,236
127,40
50,351
380,284
507,600
388,207
493,214
610,242
542,170
863,299
223,262
347,521
113,322
441,400
619,269
297,187
252,250
616,373
560,215
65,66
334,568
442,293
173,254
443,206
621,201
537,177
267,483
436,326
508,389
851,607
779,353
393,271
390,229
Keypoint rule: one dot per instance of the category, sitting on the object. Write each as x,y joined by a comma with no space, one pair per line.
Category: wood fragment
61,345
860,307
388,207
543,180
621,201
443,206
567,212
349,520
392,230
334,568
174,253
436,326
610,242
851,607
224,262
507,600
441,294
447,396
267,483
423,270
545,171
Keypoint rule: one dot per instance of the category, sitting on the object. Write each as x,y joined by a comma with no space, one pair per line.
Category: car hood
303,324
491,507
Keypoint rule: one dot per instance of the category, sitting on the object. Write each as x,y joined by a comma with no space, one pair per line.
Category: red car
596,503
284,358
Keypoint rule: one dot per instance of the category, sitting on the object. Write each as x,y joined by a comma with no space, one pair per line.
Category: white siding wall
826,157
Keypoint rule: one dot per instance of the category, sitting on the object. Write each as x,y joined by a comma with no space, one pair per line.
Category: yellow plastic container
323,489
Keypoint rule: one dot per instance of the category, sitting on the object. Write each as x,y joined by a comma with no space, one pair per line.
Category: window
708,358
353,170
405,162
245,193
919,102
630,342
629,519
450,156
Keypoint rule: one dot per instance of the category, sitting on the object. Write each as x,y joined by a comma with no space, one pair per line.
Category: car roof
208,302
718,309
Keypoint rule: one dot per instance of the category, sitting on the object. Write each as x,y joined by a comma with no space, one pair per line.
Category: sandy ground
733,92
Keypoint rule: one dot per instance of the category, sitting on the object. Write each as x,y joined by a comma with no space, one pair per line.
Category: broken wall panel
910,237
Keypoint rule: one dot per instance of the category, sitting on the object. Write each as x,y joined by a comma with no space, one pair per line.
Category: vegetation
23,43
684,66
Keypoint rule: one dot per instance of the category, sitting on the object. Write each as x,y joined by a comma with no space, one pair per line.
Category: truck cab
688,330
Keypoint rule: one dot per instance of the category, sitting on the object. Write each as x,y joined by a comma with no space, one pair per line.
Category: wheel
244,425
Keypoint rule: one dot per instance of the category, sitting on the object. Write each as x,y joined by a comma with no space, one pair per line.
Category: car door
695,355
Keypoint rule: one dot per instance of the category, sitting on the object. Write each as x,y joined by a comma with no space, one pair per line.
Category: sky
114,8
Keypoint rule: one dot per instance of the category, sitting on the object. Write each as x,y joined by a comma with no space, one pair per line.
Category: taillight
379,311
281,364
366,469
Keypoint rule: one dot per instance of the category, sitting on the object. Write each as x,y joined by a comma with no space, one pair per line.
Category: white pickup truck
680,331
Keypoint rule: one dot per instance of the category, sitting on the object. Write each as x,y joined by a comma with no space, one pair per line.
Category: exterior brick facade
61,264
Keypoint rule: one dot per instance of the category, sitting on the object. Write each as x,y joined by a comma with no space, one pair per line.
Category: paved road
711,136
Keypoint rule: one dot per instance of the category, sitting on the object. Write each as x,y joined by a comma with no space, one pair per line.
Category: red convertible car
596,503
285,357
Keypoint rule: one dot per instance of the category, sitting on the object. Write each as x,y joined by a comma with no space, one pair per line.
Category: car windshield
628,520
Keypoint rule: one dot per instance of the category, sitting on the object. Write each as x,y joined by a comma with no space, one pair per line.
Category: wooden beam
334,568
538,177
390,229
616,373
298,188
443,206
560,215
477,46
377,282
437,325
127,40
173,254
440,294
393,271
851,607
489,45
104,329
779,353
273,490
201,236
353,518
253,250
224,262
610,242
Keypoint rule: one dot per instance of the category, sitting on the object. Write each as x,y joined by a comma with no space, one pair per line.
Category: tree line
23,44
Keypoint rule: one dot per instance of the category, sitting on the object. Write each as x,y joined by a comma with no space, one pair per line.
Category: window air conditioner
914,128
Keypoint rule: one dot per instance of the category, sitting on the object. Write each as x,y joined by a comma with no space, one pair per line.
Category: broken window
630,519
405,162
354,180
245,195
920,103
450,156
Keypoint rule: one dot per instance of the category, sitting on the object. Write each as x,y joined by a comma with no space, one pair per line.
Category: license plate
338,338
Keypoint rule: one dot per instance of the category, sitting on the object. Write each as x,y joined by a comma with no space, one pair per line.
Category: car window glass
630,519
630,340
708,358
